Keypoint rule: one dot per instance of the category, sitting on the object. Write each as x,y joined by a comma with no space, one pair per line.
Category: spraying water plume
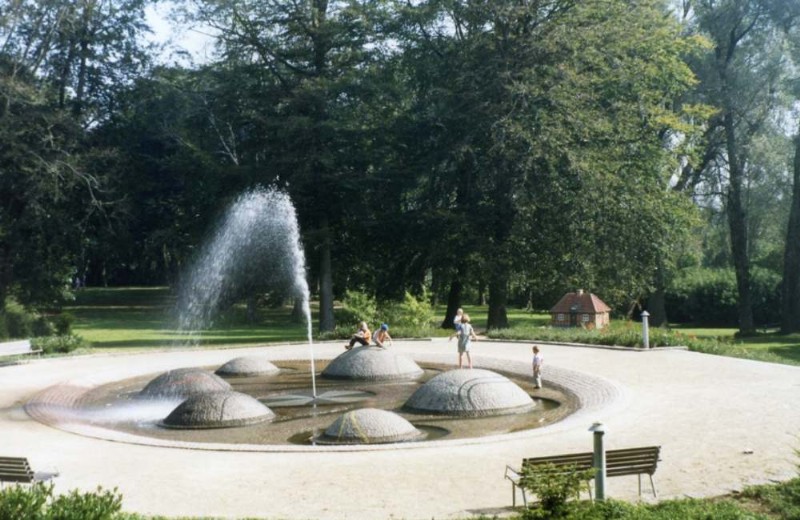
255,248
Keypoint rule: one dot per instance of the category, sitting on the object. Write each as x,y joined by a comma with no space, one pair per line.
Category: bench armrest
513,475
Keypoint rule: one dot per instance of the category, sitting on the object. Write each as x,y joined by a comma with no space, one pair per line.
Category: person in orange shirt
362,336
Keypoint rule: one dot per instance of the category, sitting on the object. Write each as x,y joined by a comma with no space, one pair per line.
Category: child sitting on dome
382,335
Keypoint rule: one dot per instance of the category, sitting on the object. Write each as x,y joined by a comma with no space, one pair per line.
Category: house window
585,318
560,317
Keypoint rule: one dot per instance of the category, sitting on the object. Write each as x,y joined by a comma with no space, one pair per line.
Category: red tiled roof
580,302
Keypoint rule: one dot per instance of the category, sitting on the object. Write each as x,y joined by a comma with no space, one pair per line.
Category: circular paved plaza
722,423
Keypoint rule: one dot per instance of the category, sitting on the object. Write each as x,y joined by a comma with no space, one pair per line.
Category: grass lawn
144,317
785,347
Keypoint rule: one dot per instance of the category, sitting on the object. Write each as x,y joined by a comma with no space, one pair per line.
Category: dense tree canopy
465,148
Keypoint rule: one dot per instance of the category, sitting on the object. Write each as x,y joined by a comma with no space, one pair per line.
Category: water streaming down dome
369,426
182,383
470,392
372,364
218,410
247,366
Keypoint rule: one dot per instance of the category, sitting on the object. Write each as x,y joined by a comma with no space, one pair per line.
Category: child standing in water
537,366
465,336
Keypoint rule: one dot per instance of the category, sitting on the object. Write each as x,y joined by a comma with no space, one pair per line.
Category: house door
573,319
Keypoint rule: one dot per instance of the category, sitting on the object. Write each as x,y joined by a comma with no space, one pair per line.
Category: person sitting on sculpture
381,336
362,336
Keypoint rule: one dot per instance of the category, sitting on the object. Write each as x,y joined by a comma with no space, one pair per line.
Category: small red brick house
580,309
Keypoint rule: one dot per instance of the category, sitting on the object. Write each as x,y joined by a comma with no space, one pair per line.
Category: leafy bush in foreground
37,502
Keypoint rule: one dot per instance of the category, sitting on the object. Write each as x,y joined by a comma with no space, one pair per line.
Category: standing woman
465,336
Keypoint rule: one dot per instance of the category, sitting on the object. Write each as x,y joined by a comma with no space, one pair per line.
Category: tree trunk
298,313
326,319
656,304
737,222
790,311
453,302
6,275
251,309
498,298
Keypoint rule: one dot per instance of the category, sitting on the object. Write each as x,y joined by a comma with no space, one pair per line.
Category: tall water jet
256,246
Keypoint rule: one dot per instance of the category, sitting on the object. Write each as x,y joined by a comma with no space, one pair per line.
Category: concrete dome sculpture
218,410
470,392
182,383
372,364
369,426
247,366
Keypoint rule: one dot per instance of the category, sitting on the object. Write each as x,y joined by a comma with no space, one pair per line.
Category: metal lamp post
599,461
645,330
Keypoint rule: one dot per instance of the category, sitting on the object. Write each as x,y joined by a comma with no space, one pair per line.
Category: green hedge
709,296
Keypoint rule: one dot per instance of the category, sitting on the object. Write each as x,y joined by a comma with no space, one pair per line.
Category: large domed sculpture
218,410
369,426
247,366
372,364
182,383
470,392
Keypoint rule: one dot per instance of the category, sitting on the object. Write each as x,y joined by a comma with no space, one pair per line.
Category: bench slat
18,469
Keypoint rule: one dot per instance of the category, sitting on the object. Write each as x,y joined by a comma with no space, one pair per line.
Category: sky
182,44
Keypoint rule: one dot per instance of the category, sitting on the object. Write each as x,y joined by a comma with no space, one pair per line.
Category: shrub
37,502
99,505
19,322
357,307
553,486
42,326
410,318
63,323
24,502
58,344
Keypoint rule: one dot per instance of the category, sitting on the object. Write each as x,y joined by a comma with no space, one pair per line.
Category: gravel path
722,423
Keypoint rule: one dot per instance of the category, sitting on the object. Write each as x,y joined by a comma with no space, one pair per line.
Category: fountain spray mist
255,248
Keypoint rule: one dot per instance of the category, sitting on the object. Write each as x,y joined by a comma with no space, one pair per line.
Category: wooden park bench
631,461
18,348
18,470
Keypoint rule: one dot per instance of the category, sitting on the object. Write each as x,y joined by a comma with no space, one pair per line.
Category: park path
723,423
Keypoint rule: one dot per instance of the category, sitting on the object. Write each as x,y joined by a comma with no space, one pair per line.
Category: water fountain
256,245
370,395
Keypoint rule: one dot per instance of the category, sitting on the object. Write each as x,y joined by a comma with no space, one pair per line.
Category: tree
305,61
556,139
741,77
60,65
